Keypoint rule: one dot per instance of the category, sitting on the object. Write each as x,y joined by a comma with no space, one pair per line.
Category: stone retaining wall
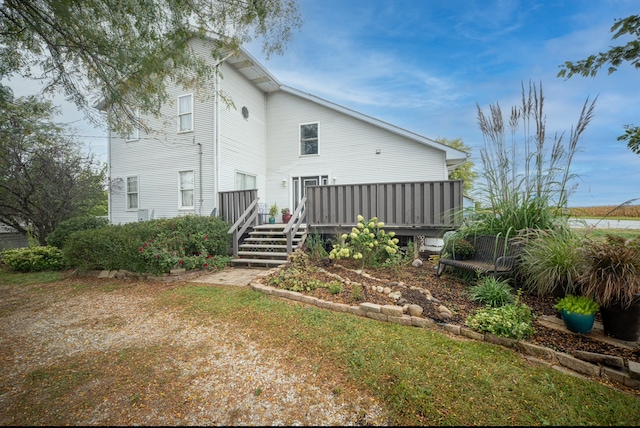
606,367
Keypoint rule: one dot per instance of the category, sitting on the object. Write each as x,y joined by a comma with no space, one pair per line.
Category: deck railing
409,205
412,208
239,207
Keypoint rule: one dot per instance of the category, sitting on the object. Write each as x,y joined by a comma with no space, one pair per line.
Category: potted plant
458,248
578,312
286,215
611,276
273,212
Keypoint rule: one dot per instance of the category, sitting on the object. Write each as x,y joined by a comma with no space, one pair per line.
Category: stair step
276,226
261,240
257,262
279,254
259,246
272,233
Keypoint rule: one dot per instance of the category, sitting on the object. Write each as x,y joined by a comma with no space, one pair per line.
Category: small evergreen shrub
514,320
492,292
33,259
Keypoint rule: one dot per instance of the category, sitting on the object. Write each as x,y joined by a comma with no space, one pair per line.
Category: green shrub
334,287
33,259
357,292
60,236
154,246
514,320
492,292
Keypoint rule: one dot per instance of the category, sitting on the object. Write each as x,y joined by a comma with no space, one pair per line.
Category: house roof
250,68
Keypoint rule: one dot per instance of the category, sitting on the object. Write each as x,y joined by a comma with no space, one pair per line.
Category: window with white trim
186,189
245,181
132,193
309,139
185,113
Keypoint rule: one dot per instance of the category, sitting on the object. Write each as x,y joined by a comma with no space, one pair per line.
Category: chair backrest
489,247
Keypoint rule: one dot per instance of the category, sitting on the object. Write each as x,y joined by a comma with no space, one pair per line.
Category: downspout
216,136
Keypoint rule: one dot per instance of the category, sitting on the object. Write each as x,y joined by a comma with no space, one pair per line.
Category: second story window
135,131
309,139
185,113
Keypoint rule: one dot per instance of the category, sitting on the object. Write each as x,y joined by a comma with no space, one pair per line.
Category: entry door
300,184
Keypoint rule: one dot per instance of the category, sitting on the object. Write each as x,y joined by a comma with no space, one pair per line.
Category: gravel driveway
101,352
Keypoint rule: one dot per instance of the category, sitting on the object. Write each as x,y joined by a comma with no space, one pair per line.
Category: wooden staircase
266,246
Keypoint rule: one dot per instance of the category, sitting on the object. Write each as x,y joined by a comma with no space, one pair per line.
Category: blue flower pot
578,323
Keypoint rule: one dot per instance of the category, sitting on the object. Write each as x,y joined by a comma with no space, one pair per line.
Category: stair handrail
291,228
249,216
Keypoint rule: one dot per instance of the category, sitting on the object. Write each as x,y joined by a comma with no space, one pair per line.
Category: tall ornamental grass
526,178
552,261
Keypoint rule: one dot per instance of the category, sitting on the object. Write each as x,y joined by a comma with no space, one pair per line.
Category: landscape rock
415,310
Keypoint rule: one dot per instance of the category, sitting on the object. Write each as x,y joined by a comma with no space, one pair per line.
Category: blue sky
426,65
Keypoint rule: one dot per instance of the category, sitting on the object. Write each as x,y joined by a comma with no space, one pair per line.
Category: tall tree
464,172
629,52
44,177
124,52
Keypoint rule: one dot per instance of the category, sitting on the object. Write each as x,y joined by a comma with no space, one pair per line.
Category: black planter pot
622,323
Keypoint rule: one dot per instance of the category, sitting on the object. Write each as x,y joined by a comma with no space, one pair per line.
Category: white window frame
302,141
181,191
129,193
135,132
241,181
182,114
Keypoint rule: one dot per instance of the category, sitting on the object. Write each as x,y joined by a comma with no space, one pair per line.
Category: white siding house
274,138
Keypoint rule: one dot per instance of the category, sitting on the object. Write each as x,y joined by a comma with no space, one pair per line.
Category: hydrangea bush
369,243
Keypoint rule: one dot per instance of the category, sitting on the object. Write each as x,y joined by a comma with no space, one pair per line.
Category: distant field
627,211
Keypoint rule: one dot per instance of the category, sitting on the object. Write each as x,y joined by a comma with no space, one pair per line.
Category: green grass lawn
422,376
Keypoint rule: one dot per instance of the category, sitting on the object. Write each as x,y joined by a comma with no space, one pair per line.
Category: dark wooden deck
410,209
